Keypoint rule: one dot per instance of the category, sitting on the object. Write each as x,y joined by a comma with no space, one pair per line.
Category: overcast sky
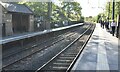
92,7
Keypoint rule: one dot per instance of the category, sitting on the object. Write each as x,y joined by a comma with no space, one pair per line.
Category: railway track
58,38
35,51
66,58
9,64
37,44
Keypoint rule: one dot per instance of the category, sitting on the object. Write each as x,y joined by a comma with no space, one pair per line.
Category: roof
19,8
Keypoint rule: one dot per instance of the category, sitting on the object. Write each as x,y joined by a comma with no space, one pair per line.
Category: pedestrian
107,25
113,25
103,24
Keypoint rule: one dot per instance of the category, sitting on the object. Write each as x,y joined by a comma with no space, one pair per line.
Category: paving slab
100,54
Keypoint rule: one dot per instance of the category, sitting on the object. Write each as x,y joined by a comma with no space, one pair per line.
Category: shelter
16,18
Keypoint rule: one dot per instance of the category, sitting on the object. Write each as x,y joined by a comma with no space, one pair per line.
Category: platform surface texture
100,53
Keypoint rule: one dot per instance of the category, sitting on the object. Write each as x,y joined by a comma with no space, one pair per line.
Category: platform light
113,9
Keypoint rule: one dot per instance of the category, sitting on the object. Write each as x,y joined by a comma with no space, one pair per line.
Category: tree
117,9
67,11
39,8
73,9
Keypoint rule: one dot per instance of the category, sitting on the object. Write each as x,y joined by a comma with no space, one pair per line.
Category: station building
16,19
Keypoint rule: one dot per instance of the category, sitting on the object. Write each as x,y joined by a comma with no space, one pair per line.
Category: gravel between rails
31,63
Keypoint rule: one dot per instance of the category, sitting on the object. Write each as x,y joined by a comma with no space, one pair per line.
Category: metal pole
109,12
1,46
113,9
49,14
68,12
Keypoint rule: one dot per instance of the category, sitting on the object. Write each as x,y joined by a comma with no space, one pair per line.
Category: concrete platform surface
101,52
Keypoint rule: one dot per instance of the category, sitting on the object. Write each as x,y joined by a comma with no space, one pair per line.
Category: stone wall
46,25
8,24
31,23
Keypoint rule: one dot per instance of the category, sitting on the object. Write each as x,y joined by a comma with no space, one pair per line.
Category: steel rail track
80,51
71,58
37,51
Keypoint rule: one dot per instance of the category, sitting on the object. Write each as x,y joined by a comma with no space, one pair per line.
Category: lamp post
109,12
49,15
113,9
68,9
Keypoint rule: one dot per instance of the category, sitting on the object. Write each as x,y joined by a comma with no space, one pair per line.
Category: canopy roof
17,8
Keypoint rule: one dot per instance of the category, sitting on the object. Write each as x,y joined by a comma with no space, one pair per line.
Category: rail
46,65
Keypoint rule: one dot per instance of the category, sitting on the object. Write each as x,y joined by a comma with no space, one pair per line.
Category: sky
92,7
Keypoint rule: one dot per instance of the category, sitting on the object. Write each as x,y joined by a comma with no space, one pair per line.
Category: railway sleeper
72,51
68,55
63,60
60,64
59,68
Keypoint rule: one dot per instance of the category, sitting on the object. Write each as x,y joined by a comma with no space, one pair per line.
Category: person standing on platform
107,25
113,25
103,24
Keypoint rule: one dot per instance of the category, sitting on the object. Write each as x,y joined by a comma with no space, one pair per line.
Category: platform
27,35
101,52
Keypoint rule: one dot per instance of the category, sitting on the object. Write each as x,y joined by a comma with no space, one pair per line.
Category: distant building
16,18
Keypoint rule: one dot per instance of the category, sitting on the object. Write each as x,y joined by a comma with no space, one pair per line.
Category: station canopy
16,8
